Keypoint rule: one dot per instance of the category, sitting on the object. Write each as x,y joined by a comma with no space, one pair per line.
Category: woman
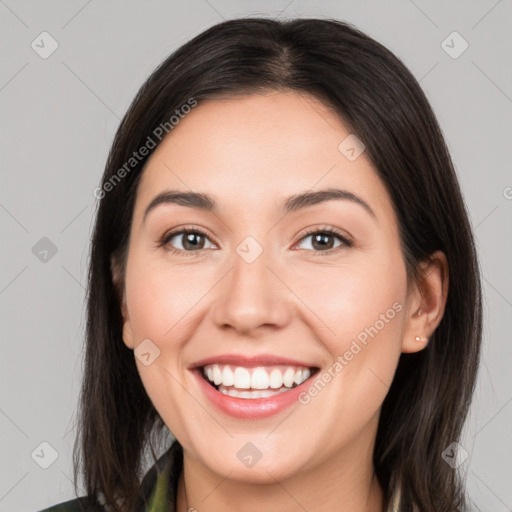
283,276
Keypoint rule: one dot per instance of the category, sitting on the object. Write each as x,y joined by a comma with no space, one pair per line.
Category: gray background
58,118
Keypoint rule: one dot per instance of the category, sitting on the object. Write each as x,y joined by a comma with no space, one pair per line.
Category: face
297,314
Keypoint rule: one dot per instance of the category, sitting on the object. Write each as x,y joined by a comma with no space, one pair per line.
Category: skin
251,152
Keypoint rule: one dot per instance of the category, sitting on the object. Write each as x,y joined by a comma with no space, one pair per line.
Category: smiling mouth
255,382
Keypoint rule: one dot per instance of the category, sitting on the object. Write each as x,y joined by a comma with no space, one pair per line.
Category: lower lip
250,408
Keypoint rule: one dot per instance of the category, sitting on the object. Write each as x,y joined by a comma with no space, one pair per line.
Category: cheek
367,316
347,300
164,305
161,298
361,318
158,302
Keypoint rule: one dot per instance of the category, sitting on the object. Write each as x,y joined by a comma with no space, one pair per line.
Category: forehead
254,150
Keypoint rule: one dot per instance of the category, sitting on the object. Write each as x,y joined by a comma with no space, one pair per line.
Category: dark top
159,488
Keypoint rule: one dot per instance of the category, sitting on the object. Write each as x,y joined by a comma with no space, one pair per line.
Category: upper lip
250,361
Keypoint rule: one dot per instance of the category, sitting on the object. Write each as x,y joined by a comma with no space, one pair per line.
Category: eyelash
186,231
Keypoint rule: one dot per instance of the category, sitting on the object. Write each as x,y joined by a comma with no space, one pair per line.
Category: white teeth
276,378
242,378
288,377
262,378
217,375
259,379
228,379
301,375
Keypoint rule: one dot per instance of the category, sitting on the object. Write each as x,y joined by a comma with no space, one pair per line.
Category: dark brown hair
379,100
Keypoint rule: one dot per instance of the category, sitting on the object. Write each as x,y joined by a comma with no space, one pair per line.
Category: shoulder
75,505
154,487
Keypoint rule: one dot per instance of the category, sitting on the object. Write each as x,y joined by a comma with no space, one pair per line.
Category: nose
252,297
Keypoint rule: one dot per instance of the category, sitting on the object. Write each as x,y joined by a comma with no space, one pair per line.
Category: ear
427,302
118,280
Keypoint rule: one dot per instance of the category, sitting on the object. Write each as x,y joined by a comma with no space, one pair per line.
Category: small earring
419,312
420,339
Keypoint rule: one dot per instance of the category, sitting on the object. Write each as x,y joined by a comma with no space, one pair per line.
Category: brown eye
190,240
325,240
322,241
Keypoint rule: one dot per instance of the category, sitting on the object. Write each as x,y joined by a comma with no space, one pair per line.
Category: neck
345,481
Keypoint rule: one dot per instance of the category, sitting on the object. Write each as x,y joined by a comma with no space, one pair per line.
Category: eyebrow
205,202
